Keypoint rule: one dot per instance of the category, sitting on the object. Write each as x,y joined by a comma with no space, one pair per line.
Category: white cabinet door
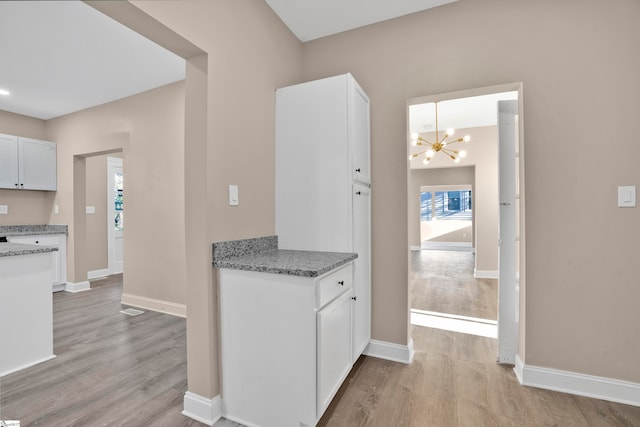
359,128
8,161
334,348
37,164
362,269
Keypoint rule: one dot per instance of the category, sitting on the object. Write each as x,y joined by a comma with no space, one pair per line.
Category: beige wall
580,81
250,53
25,207
149,127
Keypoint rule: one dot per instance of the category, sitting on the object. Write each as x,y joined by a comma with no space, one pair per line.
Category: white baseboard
447,246
486,274
206,411
592,386
77,287
390,351
28,365
97,273
152,304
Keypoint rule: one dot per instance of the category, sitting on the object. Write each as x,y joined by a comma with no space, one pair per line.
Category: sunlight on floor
451,322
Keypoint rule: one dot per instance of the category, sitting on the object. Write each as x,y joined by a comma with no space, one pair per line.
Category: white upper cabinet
27,164
359,128
9,161
322,148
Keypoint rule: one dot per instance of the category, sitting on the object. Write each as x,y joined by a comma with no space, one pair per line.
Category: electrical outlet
4,209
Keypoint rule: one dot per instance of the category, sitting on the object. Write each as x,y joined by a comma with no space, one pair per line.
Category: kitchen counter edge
262,255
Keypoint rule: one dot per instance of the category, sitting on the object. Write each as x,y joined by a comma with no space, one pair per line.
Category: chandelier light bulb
430,153
466,138
425,161
456,159
451,131
415,136
462,154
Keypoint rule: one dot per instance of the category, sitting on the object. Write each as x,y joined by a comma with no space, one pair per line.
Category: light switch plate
233,195
4,209
91,209
627,196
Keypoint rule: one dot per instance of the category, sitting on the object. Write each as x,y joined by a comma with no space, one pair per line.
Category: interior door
508,236
115,218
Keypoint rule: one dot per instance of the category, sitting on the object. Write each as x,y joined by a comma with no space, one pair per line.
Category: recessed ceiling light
4,92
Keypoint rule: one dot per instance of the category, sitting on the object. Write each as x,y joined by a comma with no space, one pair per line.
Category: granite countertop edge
14,249
262,255
32,230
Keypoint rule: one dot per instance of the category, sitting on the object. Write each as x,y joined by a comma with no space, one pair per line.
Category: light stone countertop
262,255
32,230
12,249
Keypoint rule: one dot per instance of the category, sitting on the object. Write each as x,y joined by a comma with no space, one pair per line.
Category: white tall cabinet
323,194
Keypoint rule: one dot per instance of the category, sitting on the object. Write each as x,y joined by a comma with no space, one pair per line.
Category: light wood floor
454,380
115,370
111,369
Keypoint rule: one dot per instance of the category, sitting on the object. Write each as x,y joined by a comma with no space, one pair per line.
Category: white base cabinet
285,345
59,268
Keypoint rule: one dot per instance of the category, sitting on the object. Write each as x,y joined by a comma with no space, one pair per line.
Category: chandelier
439,146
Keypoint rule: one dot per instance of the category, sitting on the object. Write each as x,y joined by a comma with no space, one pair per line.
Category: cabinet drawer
334,284
52,240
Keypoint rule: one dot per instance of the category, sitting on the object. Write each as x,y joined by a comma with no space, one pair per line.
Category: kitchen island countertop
32,230
12,249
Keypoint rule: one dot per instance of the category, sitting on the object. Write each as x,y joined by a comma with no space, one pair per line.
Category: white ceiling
312,19
59,57
474,111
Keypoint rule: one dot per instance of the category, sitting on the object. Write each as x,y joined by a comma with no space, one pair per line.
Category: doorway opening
457,290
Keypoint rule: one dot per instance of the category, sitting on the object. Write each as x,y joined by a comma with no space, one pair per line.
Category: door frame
112,162
518,334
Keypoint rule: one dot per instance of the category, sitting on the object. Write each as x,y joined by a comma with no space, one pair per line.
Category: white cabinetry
59,257
323,196
27,164
285,345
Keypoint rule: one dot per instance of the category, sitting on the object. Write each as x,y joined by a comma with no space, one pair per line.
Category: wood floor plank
111,369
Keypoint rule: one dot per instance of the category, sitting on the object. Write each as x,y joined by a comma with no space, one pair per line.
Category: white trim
206,411
390,351
610,389
97,274
518,368
447,246
414,248
486,274
152,304
77,287
28,365
57,287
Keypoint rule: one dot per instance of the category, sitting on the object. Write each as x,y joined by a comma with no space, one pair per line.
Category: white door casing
115,232
508,298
